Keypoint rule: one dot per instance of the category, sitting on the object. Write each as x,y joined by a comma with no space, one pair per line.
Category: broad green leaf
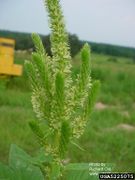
20,173
5,172
28,173
22,164
18,157
78,171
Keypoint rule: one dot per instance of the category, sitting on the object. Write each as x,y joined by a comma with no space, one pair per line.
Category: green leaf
28,173
22,165
78,171
18,157
5,172
19,173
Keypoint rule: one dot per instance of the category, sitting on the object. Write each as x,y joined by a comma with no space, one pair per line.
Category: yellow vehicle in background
7,66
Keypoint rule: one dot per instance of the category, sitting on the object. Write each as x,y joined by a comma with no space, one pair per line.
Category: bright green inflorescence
62,106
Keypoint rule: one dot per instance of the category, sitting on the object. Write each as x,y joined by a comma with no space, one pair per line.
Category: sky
103,21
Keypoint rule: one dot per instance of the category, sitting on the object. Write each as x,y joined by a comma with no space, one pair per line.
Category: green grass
102,141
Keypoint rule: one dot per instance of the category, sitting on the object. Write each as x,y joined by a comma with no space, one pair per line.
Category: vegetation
105,139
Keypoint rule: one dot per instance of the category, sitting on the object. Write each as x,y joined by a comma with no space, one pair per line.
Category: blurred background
108,26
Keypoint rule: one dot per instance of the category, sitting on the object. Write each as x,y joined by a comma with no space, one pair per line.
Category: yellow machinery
7,66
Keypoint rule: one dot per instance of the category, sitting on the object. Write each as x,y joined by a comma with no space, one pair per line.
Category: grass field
110,134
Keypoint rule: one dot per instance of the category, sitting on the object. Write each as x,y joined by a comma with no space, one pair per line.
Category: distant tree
75,44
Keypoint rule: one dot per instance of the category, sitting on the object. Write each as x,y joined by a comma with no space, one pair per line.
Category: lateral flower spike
62,105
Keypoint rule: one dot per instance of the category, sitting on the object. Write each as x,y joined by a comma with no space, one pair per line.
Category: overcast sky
108,21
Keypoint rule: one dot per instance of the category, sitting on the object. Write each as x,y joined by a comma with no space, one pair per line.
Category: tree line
24,42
